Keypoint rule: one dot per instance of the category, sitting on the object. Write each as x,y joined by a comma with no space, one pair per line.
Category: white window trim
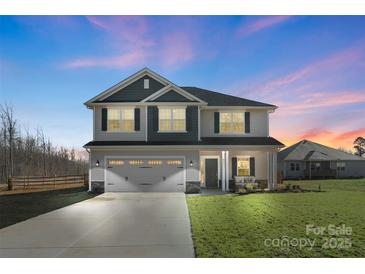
232,132
120,119
171,119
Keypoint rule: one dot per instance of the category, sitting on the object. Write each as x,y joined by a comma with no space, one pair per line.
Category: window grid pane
127,120
243,167
113,119
179,123
165,119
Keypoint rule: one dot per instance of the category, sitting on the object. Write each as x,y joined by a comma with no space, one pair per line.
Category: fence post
54,181
10,183
24,182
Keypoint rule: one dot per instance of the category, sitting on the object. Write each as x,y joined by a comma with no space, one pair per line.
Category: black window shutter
188,118
104,119
137,119
216,122
234,167
155,118
252,166
247,122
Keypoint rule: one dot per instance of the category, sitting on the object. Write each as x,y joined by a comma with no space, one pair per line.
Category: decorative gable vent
146,83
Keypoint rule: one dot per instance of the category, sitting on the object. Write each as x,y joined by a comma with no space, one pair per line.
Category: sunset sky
312,67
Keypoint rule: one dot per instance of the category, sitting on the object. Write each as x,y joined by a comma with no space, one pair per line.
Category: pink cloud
131,29
132,58
130,36
260,24
321,100
177,49
350,135
315,133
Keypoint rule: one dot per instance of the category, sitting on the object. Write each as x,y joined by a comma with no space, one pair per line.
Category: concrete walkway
109,225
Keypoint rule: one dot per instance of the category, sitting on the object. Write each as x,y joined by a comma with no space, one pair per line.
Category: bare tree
29,154
9,122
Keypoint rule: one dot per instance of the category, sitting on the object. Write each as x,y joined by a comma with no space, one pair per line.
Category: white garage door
145,174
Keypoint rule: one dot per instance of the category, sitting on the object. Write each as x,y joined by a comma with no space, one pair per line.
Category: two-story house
152,135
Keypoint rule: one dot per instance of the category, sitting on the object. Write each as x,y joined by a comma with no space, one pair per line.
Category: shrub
250,187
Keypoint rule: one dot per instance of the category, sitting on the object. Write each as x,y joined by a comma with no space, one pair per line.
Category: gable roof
129,80
194,94
310,151
214,98
176,89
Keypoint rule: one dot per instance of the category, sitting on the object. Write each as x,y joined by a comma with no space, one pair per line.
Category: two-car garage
145,173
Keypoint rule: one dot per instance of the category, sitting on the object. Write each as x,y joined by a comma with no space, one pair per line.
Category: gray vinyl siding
353,169
100,135
192,128
135,92
171,96
292,174
258,123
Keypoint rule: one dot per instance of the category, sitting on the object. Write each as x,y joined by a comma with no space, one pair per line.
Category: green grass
20,207
237,226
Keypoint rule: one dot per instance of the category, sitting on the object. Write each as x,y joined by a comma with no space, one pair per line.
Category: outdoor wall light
97,163
191,163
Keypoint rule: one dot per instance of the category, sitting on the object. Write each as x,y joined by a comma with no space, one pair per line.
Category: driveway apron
109,225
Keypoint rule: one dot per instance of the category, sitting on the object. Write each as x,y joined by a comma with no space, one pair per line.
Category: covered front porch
223,168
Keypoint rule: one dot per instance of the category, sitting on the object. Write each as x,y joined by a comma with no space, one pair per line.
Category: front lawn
19,207
254,225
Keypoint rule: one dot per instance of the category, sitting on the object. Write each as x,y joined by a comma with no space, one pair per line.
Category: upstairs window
172,119
146,83
121,120
232,122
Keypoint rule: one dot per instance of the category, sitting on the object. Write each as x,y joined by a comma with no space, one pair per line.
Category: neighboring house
152,135
309,160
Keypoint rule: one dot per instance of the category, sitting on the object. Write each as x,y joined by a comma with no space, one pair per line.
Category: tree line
25,153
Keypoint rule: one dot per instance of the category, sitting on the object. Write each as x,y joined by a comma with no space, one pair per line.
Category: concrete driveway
109,225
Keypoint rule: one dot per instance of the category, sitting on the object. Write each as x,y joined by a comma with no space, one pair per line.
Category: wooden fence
28,182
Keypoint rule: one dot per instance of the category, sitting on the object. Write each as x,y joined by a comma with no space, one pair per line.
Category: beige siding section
259,124
100,135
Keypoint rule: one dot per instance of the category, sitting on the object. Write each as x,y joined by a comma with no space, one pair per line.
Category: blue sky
312,67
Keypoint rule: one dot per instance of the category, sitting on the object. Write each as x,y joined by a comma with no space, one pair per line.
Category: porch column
270,168
274,169
223,173
227,170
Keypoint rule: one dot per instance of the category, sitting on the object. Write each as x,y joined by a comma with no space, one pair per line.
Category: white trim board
175,88
127,81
